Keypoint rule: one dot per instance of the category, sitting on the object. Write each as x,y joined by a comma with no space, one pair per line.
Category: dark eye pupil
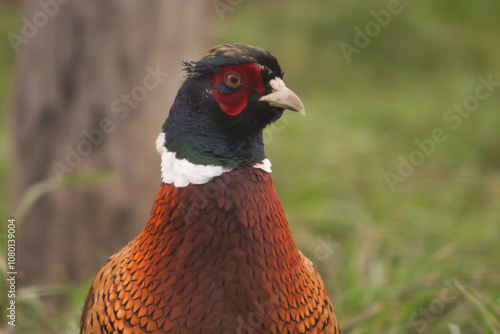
233,80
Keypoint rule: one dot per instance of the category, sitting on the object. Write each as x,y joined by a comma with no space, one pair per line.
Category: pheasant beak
283,97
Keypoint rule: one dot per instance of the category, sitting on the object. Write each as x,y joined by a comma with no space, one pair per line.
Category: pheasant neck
182,172
232,227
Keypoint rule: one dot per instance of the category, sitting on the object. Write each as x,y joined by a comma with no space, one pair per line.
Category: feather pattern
213,258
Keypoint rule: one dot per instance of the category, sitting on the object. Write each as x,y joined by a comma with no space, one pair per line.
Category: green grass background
390,255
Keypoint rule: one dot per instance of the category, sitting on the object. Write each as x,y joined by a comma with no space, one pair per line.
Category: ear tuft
210,66
194,69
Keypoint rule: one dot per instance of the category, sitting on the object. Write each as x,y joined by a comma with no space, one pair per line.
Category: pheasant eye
233,80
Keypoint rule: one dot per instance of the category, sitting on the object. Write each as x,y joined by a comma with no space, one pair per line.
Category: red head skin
232,85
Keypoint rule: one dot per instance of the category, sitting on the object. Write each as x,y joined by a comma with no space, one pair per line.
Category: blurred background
391,183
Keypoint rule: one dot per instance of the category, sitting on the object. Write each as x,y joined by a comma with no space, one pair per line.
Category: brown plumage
234,269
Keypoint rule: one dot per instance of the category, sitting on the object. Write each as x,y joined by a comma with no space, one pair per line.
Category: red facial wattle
231,94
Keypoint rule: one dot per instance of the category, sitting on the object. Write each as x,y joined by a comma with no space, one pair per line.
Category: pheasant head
220,111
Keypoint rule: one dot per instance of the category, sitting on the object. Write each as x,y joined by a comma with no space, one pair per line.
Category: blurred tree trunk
92,95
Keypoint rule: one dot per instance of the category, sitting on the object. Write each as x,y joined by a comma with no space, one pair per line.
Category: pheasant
216,255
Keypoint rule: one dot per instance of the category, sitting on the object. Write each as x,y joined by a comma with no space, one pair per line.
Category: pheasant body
216,256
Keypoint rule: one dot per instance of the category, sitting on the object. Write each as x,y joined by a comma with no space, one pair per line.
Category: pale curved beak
283,97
